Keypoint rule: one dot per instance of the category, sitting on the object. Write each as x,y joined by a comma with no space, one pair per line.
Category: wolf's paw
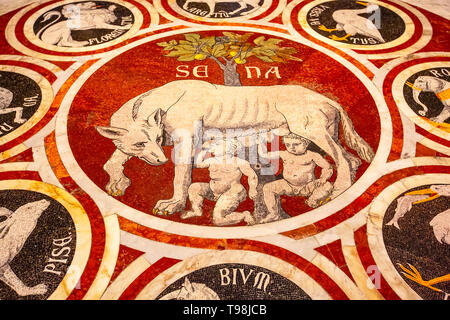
117,187
170,206
249,218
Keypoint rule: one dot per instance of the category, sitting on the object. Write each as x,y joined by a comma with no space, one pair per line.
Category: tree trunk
230,75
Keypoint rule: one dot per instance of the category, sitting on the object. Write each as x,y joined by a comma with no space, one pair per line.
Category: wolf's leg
333,130
343,168
18,118
8,276
197,192
224,213
183,146
118,182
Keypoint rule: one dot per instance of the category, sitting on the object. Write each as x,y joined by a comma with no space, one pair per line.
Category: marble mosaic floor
224,149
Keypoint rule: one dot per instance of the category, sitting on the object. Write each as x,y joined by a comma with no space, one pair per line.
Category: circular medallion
43,235
20,98
25,97
422,92
356,24
412,235
82,26
137,185
345,26
66,30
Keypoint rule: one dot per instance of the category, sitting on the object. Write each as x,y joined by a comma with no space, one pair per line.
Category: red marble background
145,67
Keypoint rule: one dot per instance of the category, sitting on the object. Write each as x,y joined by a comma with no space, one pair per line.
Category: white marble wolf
14,232
180,109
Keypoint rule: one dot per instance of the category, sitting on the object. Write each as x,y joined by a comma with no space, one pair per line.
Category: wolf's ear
155,119
111,132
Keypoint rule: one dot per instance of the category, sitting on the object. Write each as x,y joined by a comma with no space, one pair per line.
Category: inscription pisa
37,240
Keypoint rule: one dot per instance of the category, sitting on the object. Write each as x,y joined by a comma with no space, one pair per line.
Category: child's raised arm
327,169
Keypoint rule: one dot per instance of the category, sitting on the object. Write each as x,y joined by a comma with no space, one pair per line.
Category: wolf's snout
162,160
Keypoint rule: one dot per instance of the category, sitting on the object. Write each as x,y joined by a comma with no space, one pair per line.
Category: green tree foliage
231,48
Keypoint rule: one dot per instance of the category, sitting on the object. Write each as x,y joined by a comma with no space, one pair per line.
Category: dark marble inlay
47,251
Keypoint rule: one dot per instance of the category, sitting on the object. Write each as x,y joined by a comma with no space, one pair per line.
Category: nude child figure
225,170
298,176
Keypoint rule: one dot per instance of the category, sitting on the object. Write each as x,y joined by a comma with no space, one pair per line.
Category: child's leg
224,213
197,192
272,192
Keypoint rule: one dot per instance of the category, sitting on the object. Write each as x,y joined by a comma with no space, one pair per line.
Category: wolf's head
143,139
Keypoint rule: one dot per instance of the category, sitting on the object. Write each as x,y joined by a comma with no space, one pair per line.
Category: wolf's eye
159,140
139,145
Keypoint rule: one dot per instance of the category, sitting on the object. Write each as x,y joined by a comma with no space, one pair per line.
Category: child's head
295,144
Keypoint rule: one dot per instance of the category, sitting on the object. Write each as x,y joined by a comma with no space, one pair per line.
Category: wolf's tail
352,138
